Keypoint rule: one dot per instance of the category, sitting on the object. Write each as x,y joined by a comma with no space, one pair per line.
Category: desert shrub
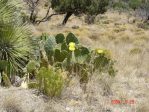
120,5
31,66
134,4
50,82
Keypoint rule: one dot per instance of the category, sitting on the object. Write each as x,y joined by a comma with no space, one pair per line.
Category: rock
16,80
75,27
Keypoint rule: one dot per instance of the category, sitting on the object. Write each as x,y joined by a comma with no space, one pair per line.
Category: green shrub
50,82
120,5
32,66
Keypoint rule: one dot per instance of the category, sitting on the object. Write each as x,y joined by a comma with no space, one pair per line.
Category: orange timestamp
117,102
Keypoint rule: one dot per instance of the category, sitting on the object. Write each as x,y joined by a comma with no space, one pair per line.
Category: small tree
89,7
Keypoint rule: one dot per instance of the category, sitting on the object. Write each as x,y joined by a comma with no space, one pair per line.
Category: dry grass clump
135,51
120,28
125,38
54,106
12,104
142,37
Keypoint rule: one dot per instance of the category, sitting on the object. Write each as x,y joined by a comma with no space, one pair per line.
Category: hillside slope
129,47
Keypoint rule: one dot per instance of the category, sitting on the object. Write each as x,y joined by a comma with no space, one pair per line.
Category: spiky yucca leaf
14,38
6,11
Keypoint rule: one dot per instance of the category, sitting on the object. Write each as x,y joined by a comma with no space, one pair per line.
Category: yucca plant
14,39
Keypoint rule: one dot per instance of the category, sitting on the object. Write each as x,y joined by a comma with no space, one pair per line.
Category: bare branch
47,18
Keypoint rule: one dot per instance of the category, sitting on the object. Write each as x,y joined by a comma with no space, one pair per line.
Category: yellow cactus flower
100,51
72,46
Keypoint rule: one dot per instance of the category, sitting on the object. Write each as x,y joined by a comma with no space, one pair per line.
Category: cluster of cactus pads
67,55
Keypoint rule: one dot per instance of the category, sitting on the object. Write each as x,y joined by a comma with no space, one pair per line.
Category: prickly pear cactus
60,38
69,55
59,56
81,54
49,48
102,62
71,38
